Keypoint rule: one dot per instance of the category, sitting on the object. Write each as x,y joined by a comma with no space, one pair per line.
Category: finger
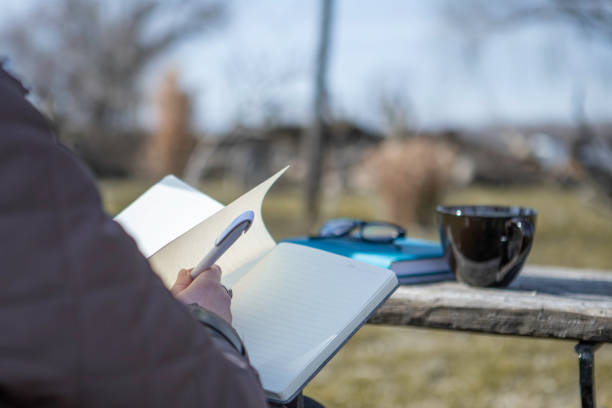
184,276
183,280
180,278
213,273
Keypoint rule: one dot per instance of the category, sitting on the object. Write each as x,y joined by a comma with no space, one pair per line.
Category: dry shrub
172,141
410,175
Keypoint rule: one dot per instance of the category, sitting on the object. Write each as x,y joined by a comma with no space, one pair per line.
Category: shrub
410,175
172,141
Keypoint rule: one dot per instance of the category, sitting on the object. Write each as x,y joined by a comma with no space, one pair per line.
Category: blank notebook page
164,212
189,248
293,309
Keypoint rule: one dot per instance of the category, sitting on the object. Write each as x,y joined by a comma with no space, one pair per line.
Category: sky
266,53
261,64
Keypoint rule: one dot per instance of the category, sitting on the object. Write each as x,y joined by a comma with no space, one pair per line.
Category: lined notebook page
297,306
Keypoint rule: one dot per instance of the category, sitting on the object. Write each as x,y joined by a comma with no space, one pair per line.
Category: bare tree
396,110
592,17
257,89
478,19
85,58
315,138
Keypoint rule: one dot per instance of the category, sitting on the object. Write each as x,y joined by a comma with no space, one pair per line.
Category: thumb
183,280
211,274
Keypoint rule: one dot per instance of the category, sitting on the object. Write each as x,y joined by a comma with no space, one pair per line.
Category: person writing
85,321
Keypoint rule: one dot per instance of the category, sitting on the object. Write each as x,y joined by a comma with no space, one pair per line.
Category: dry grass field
406,367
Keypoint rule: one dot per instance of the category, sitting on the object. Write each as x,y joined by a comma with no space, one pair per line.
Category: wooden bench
546,302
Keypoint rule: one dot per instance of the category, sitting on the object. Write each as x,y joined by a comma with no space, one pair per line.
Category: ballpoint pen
240,225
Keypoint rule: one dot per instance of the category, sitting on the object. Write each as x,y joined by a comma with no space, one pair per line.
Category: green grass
399,367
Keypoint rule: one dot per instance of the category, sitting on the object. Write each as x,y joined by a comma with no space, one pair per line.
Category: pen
240,225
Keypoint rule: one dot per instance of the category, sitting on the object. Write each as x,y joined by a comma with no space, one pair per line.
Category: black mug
486,245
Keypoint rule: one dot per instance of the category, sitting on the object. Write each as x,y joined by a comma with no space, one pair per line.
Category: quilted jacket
84,322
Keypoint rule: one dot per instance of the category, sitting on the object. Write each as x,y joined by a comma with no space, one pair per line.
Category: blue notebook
412,260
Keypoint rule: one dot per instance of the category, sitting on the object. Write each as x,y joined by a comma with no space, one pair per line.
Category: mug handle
518,225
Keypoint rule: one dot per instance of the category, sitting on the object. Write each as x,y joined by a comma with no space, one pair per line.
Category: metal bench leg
586,361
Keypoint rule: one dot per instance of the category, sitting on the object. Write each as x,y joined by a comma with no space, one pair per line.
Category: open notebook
293,306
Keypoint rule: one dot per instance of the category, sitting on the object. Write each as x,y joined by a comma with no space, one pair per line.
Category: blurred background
383,109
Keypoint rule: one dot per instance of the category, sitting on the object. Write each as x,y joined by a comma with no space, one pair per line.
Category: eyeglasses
381,232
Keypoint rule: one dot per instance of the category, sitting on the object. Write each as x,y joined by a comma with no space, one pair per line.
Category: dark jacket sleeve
85,322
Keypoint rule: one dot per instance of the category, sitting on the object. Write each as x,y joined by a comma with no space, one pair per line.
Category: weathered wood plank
542,302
